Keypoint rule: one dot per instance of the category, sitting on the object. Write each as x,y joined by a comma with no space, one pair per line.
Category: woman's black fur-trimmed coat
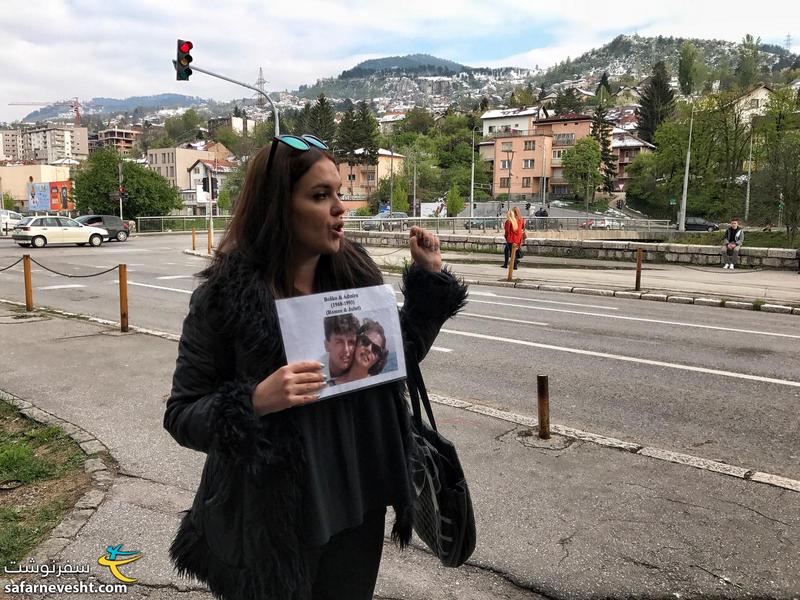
243,533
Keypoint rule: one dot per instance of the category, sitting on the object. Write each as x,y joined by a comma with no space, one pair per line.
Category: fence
179,223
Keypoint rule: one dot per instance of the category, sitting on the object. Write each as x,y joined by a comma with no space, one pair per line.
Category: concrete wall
766,258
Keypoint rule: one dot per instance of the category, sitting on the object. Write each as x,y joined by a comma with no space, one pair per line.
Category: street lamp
472,178
682,211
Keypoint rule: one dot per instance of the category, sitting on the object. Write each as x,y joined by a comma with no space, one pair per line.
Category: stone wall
767,258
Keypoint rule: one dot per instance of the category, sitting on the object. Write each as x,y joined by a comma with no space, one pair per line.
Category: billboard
61,195
38,196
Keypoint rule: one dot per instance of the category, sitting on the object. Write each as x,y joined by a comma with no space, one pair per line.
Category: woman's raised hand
425,249
295,384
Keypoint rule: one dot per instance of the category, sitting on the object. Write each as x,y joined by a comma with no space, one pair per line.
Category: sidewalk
566,518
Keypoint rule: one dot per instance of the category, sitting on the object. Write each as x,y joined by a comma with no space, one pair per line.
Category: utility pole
749,173
682,211
121,188
414,210
391,175
472,179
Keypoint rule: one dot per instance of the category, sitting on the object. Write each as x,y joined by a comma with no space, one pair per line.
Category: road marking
641,319
493,295
643,361
477,316
102,266
158,287
61,287
440,349
175,277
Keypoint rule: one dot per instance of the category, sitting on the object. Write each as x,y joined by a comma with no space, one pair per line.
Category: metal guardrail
437,224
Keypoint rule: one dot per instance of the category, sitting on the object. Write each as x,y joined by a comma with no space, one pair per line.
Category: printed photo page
354,333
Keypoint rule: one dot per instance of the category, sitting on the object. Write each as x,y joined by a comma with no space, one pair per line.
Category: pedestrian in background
513,232
734,236
292,500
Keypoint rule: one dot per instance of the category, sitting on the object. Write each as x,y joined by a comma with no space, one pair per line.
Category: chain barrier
33,260
19,260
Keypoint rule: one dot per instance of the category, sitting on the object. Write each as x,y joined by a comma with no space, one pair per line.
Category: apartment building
122,140
241,125
50,143
527,159
11,144
359,181
508,120
174,163
15,180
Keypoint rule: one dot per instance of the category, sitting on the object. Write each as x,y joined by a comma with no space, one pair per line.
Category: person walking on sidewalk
513,232
734,236
292,499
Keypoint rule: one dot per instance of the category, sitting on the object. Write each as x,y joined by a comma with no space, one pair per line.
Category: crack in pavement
640,563
721,578
563,543
505,433
753,510
122,473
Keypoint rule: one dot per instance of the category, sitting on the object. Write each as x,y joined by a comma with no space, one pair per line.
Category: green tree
601,131
96,185
400,196
656,104
184,127
582,167
232,186
417,120
346,140
748,62
687,68
321,120
567,102
455,203
367,134
603,91
8,201
304,121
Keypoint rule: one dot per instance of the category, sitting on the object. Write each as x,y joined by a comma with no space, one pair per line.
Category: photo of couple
353,350
354,333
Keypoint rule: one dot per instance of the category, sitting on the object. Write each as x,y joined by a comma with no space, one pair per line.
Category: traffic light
182,70
527,206
213,187
205,184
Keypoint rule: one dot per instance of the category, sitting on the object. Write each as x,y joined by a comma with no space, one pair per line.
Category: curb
101,479
673,297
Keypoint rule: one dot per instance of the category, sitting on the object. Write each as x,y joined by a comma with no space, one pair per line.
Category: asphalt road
713,383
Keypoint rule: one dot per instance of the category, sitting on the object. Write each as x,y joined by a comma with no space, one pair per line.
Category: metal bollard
26,267
123,298
543,393
638,269
194,239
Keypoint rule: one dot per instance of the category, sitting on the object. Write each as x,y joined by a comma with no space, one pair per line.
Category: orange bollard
210,238
26,267
638,269
543,392
194,239
511,262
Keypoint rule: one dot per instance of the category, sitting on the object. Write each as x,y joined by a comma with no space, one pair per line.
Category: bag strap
416,389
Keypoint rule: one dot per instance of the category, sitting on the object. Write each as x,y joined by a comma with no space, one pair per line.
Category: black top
354,451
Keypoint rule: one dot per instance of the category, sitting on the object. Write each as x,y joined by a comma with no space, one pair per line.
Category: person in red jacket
514,229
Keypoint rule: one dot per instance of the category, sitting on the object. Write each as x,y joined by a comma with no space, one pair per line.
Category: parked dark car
387,220
116,227
700,224
479,223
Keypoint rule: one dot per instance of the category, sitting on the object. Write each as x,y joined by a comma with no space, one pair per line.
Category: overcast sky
56,49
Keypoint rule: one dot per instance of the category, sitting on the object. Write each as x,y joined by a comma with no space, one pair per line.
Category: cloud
54,49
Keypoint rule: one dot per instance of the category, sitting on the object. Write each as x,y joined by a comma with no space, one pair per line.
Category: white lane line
61,287
158,287
641,319
440,349
175,277
477,316
493,295
102,266
631,359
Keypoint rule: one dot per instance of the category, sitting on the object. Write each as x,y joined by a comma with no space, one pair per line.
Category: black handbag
443,515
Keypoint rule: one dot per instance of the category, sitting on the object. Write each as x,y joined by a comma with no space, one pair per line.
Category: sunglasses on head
368,343
302,143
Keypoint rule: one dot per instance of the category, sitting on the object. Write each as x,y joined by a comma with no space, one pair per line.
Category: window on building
557,154
370,176
505,182
197,170
505,164
172,170
527,163
563,139
506,147
530,144
351,177
526,182
491,128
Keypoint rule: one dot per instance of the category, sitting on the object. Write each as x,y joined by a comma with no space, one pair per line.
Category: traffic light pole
119,164
247,85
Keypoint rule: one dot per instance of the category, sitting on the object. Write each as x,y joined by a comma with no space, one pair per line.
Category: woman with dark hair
370,355
293,496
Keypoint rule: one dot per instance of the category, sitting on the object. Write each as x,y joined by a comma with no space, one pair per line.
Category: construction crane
74,102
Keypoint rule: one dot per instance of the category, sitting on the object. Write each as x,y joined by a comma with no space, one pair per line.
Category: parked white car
9,219
40,231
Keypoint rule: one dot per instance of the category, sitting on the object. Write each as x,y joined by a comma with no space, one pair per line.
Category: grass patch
753,239
47,467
